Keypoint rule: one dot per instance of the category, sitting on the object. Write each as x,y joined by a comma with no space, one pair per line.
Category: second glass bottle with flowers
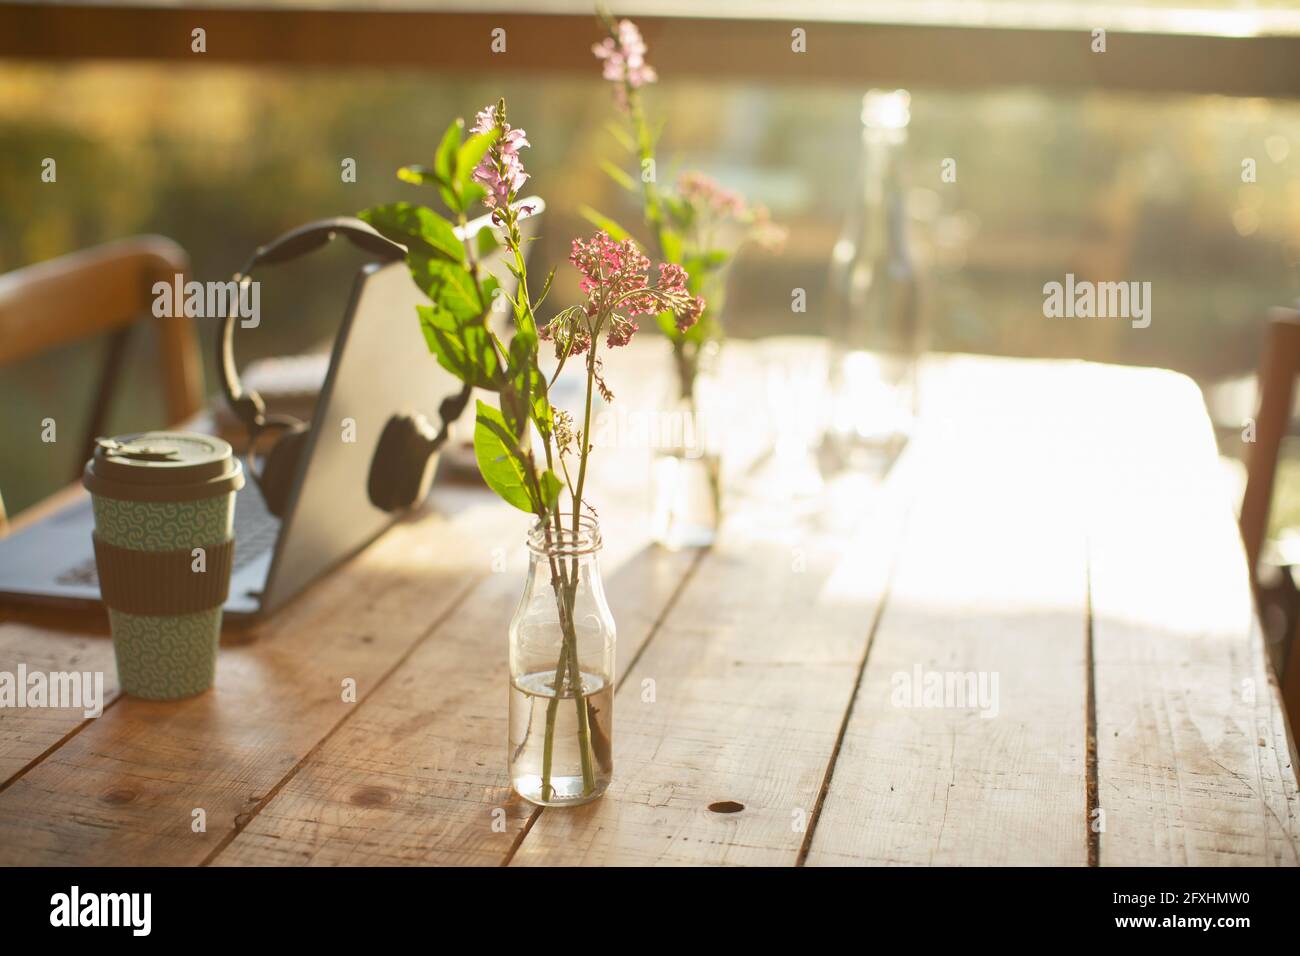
699,225
533,455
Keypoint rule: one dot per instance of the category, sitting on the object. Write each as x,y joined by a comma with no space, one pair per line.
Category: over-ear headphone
401,470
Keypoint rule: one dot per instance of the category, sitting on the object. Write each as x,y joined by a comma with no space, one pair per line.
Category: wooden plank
988,608
47,639
419,776
27,733
1194,762
126,786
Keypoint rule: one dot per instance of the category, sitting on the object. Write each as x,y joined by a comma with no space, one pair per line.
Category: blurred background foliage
1107,186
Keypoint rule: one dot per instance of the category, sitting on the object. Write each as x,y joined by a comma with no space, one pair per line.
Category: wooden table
1056,527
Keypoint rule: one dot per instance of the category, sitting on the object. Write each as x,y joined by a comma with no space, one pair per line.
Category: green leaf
601,221
672,245
680,212
419,175
444,161
463,348
546,288
706,262
448,285
500,459
528,383
668,324
489,284
619,176
551,486
621,136
418,228
443,339
657,133
468,157
705,276
486,243
460,294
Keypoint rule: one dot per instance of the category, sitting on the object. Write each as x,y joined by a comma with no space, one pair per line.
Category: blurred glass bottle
875,322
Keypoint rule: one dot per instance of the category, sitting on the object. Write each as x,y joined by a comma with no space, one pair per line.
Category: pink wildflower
612,273
621,330
623,56
767,234
568,333
687,308
614,279
706,192
500,171
672,277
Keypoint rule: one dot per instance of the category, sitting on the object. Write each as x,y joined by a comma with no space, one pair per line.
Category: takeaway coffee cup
164,507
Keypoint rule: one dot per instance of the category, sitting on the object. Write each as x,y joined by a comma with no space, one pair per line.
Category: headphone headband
313,235
248,406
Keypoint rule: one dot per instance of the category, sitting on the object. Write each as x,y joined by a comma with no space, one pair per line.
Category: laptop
329,516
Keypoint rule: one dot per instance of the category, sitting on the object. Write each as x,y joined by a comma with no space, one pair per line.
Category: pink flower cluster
765,232
623,56
672,285
500,171
705,191
706,194
614,279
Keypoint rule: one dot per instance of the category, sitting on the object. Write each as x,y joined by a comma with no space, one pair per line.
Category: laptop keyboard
255,528
255,532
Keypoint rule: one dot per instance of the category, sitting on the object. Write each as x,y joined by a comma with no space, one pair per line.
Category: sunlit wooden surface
1057,527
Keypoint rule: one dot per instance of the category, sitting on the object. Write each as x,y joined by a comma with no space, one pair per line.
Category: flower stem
567,668
646,153
553,705
569,653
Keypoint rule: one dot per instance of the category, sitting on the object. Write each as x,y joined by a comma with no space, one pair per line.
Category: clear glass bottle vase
686,470
562,646
875,329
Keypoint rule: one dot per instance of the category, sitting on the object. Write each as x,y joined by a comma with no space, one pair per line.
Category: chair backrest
1277,374
103,290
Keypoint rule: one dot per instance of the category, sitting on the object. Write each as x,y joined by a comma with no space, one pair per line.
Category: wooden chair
1278,370
96,291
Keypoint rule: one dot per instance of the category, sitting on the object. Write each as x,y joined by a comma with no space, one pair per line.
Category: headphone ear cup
279,469
402,468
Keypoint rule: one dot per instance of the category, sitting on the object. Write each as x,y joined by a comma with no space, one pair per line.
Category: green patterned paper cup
164,507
